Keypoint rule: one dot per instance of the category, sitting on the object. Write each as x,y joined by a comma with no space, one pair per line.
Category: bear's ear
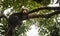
25,11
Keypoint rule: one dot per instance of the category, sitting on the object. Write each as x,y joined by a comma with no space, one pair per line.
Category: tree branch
43,15
44,8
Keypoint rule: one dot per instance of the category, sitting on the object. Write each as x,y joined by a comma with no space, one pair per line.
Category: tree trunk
10,32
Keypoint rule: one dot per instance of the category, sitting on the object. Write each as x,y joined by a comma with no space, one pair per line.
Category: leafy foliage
43,2
45,25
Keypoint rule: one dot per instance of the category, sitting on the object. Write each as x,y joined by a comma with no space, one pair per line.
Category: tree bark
43,15
44,8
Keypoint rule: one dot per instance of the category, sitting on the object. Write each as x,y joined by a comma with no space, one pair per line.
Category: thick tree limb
43,8
43,15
